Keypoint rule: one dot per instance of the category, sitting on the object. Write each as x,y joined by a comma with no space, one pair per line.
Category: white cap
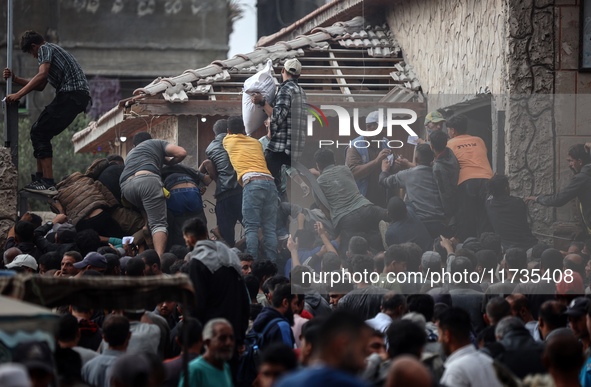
23,260
293,66
373,117
14,375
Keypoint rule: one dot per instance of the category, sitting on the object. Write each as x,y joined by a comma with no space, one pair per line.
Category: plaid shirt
65,74
288,122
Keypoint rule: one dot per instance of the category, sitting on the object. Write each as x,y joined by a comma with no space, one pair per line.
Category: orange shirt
471,154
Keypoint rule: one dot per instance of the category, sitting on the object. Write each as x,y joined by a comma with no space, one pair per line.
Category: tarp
17,315
98,292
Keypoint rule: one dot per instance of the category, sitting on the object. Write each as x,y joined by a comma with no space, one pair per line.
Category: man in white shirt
393,307
465,366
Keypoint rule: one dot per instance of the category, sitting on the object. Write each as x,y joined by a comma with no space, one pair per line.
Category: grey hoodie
214,255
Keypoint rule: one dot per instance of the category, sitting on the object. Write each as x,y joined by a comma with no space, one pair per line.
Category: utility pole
10,110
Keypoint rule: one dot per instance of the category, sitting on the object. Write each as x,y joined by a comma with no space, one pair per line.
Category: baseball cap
578,307
293,66
66,233
35,355
574,286
23,260
14,375
92,259
434,116
373,117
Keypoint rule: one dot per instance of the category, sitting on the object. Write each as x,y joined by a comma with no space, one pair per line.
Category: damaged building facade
512,66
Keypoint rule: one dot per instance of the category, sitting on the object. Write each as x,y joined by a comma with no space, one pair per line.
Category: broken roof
348,62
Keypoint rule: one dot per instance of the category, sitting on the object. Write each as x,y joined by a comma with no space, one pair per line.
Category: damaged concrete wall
530,127
454,47
8,183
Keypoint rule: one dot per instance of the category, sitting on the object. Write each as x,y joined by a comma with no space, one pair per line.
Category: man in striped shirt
62,71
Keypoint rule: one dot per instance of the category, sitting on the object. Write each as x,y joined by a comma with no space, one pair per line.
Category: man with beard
341,350
465,365
279,317
579,187
68,261
212,369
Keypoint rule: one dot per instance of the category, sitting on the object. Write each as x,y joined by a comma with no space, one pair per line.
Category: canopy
98,292
21,316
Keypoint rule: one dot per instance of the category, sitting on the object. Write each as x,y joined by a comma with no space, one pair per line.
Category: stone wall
523,51
455,47
530,127
8,182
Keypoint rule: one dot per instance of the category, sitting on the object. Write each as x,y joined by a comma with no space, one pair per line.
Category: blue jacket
281,332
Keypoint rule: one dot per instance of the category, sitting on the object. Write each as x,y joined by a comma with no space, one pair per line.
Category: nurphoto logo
387,118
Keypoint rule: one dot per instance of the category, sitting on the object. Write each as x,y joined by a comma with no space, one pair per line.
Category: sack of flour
262,82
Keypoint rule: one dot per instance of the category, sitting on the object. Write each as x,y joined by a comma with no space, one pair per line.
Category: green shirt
203,374
339,187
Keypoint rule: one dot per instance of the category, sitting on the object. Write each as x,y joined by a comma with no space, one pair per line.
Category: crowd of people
511,311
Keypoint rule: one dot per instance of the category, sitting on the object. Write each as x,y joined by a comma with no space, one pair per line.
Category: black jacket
508,216
220,294
226,184
579,187
279,332
519,352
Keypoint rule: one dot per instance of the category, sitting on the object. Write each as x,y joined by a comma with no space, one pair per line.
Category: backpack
251,358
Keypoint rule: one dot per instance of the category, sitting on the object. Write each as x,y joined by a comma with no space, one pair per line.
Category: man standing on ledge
62,71
287,130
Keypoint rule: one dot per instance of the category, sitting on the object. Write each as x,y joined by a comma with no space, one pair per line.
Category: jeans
227,212
184,200
259,209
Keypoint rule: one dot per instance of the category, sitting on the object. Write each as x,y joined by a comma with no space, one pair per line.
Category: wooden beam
341,81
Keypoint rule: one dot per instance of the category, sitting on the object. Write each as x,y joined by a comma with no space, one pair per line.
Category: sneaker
41,187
